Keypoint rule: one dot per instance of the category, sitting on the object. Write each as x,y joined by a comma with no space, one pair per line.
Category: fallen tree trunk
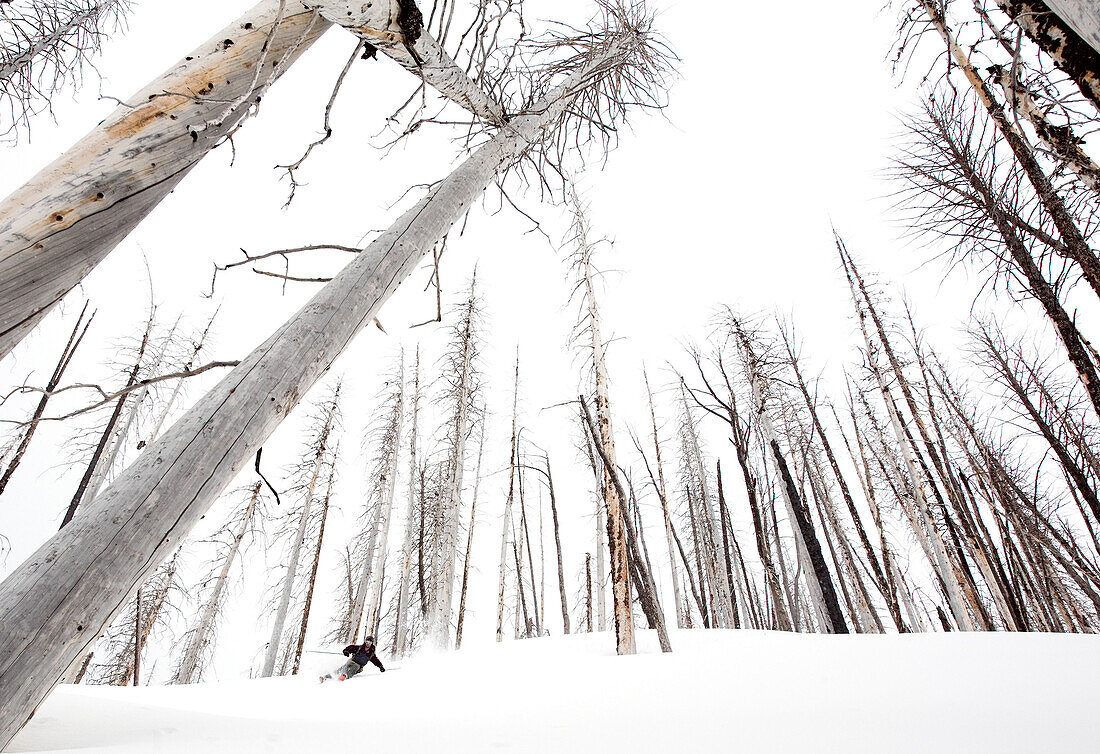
59,599
64,221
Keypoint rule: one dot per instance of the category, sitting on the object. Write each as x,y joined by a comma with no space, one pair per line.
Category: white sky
727,199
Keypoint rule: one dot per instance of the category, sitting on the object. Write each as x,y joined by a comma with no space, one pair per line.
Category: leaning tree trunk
295,553
66,219
55,379
188,669
62,596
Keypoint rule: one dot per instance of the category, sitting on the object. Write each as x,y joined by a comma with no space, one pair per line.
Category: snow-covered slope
720,691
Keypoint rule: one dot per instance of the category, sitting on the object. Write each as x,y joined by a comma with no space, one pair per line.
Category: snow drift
719,691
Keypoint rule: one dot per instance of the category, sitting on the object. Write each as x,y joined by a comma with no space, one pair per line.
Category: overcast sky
727,198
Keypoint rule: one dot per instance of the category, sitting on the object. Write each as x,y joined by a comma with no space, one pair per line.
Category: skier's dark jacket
361,654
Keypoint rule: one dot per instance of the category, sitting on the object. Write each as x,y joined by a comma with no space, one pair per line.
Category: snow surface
719,691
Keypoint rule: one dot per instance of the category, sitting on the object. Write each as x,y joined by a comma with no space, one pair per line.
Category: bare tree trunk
137,638
295,551
646,588
400,630
313,571
55,379
588,591
663,496
199,637
507,525
108,431
557,546
469,545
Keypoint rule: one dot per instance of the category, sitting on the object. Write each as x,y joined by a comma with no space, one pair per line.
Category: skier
358,656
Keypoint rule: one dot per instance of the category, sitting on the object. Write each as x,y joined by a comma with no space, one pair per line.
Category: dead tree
589,324
150,610
326,502
319,448
80,329
198,642
370,548
56,231
178,476
119,172
95,472
506,527
1063,35
643,582
469,544
400,631
461,379
766,402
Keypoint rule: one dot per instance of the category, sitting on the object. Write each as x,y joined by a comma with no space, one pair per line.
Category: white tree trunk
439,628
204,628
400,631
66,219
375,604
295,554
61,597
506,530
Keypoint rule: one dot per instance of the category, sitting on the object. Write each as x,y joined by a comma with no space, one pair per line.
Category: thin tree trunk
295,552
313,571
557,547
507,525
400,631
67,354
199,639
469,546
93,464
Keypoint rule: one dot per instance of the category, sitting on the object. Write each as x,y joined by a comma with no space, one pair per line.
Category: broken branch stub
64,221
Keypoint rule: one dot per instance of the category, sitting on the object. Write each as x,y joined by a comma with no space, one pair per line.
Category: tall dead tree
198,642
469,544
506,527
818,580
461,394
589,324
80,329
122,647
408,549
326,502
370,548
319,447
109,550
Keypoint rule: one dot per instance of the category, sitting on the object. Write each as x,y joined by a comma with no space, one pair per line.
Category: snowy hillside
720,691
